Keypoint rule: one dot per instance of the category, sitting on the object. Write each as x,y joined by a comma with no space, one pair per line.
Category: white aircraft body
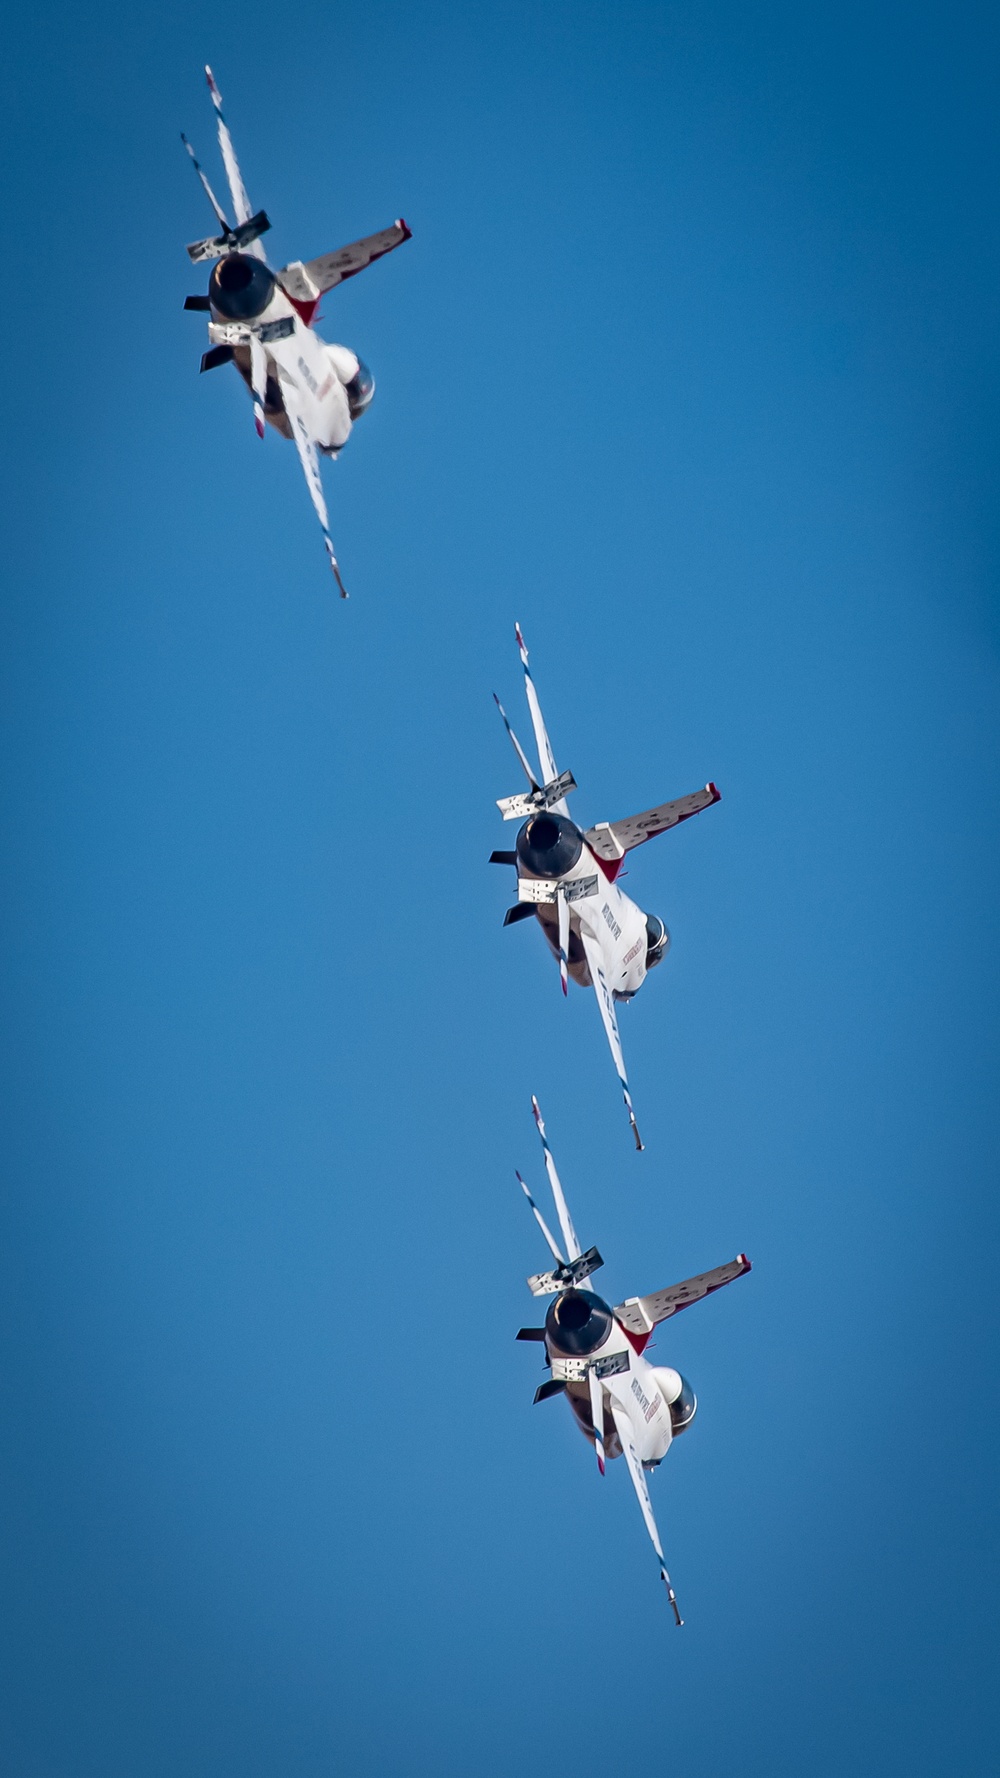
566,876
623,1404
261,321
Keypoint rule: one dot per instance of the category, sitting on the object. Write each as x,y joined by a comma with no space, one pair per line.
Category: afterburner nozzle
240,287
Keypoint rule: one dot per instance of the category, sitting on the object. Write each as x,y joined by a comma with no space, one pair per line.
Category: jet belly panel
620,929
640,1395
303,359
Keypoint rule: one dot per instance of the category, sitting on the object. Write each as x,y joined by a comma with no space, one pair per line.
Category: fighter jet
262,321
623,1404
566,876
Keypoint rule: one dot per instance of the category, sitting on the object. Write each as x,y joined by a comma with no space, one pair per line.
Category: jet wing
611,840
306,447
305,281
640,1314
595,963
626,1434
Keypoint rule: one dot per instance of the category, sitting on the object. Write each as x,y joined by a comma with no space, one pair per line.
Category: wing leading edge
640,1314
305,281
610,840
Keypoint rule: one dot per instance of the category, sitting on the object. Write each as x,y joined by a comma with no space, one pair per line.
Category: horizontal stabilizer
640,1314
552,1386
565,1277
523,911
503,857
218,355
530,1333
305,282
200,303
610,840
531,802
232,241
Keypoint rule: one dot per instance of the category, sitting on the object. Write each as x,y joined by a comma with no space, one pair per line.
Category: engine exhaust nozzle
578,1322
240,287
548,845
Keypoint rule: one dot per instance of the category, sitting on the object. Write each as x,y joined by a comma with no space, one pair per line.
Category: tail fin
573,1249
237,189
546,758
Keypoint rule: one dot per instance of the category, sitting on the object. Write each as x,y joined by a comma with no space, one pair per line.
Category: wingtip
672,1596
716,793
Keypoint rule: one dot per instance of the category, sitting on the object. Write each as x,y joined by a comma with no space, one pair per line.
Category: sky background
691,366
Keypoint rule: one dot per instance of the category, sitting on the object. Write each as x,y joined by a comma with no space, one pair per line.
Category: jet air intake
240,287
578,1322
548,845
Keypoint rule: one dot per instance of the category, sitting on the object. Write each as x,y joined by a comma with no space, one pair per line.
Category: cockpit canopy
657,941
360,390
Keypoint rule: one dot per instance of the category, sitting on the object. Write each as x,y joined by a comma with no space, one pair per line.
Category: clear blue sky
691,366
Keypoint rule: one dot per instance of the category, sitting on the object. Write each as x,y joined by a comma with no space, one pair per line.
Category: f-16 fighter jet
566,877
623,1404
262,321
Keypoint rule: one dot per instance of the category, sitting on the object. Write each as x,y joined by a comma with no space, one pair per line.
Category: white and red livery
595,1353
566,877
262,321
